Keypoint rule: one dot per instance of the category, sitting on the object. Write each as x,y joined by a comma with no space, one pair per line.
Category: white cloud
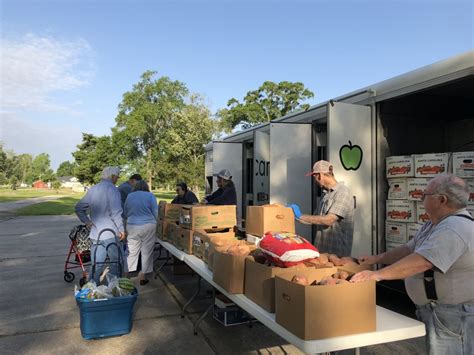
35,137
33,68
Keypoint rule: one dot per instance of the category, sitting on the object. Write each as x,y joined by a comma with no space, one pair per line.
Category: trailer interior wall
435,120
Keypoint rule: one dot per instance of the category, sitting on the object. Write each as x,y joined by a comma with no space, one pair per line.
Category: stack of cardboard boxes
199,224
168,219
408,177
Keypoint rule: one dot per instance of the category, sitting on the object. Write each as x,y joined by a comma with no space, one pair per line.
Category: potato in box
208,217
413,229
202,238
421,215
268,218
397,189
463,164
416,188
396,232
400,211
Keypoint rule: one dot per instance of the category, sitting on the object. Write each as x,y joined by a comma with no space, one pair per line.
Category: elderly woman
141,211
101,209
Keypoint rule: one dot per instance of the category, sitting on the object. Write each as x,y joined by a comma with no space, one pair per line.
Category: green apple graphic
351,156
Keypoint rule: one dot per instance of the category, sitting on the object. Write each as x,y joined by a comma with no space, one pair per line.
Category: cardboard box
184,240
319,312
392,245
397,189
431,165
412,229
268,218
229,271
421,215
172,235
169,211
400,211
208,217
416,188
470,183
396,232
165,229
400,166
203,238
260,282
463,164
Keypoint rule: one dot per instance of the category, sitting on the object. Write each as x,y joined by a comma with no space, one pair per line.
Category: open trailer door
261,168
350,152
229,156
290,156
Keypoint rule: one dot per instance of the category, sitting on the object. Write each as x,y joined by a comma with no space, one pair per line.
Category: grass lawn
61,206
168,196
9,195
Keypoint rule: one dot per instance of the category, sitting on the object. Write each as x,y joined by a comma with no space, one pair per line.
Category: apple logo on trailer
350,156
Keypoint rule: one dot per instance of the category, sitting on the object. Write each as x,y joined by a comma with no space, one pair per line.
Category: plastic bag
287,249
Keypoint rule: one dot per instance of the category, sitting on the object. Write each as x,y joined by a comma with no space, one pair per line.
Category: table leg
204,315
193,297
162,265
357,351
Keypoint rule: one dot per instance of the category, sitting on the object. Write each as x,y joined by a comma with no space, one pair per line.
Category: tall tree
146,113
66,168
192,128
270,101
41,167
92,156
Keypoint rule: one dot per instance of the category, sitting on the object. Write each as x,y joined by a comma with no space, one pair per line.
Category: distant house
71,182
40,184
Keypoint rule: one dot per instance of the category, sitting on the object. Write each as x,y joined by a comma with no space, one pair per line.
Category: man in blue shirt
101,209
127,187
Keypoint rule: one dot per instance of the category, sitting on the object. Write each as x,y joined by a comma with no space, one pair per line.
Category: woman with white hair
141,211
101,209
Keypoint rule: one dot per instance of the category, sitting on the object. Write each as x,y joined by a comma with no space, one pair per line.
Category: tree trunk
149,170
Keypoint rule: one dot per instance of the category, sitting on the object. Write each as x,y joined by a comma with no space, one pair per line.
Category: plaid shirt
336,239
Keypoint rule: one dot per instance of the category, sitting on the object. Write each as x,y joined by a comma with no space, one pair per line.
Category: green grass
168,196
8,195
61,206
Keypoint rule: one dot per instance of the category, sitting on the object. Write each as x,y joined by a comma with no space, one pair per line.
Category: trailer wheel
69,277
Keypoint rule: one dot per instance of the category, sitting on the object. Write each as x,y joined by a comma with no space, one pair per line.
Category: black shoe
144,282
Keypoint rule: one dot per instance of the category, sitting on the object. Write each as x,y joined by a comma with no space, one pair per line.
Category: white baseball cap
321,167
224,174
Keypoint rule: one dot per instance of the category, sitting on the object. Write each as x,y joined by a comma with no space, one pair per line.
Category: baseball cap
321,167
224,174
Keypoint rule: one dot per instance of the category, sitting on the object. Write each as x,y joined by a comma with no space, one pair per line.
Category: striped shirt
336,239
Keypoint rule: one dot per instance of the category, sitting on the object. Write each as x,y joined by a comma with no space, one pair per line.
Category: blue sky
66,64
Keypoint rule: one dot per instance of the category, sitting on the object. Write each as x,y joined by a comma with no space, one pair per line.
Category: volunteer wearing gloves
225,194
101,209
184,196
335,219
141,211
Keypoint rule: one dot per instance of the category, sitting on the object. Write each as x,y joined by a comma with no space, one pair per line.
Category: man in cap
101,209
335,219
225,194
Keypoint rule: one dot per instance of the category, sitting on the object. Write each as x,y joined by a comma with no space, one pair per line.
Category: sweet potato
342,275
347,260
323,259
335,260
300,279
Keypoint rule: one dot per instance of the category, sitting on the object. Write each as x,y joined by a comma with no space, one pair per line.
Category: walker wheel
69,276
82,281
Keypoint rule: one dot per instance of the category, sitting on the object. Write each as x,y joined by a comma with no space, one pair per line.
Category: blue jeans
449,328
106,248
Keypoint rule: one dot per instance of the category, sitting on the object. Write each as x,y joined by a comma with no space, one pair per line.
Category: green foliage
268,102
40,168
146,113
66,168
56,184
92,156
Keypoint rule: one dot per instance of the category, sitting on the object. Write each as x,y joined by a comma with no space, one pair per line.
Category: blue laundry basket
106,318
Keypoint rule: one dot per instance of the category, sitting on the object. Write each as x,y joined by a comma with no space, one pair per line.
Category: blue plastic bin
106,318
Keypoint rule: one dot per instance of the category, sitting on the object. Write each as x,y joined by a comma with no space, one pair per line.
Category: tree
184,144
66,168
41,168
92,156
23,168
146,113
268,102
